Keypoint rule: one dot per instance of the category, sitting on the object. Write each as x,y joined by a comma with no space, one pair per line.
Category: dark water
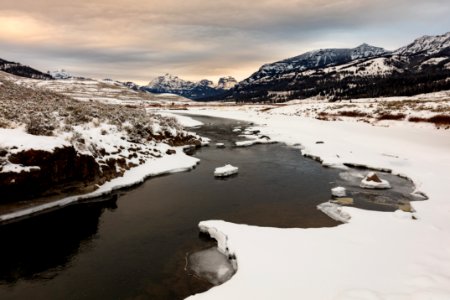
133,246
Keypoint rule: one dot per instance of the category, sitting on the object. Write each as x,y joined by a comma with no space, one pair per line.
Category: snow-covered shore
376,255
167,164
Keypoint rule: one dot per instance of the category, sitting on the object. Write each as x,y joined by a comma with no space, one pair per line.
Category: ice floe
338,191
225,171
334,211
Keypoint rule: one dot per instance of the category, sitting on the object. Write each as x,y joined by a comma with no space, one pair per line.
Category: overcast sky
194,39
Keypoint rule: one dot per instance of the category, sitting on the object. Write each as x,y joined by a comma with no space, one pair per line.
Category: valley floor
376,255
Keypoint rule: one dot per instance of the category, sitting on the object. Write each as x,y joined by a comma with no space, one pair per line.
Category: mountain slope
21,70
365,71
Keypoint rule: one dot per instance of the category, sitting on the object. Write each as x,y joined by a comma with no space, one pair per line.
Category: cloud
139,39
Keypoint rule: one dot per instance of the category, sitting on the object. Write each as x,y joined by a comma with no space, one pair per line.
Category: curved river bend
134,244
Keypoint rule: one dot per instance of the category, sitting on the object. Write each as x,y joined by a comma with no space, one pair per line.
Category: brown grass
388,116
352,113
438,120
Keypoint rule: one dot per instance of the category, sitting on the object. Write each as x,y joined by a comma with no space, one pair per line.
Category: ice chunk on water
334,211
212,265
338,191
224,171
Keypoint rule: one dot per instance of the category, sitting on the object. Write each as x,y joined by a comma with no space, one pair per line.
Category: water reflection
39,248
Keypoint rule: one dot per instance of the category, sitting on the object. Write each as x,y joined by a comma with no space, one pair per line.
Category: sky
136,40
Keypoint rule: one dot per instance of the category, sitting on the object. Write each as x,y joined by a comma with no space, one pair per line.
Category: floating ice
237,130
226,170
372,181
220,145
338,192
254,142
212,265
334,211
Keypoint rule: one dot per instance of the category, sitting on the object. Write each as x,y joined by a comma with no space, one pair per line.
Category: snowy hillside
22,70
313,60
51,143
426,45
105,91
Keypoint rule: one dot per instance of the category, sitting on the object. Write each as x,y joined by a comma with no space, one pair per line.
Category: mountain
426,45
193,90
226,83
22,70
365,71
314,60
60,74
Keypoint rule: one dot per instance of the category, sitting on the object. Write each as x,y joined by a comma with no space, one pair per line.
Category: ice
225,171
334,211
220,145
338,191
212,265
254,142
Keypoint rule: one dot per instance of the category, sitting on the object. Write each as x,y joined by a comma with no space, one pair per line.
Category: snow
375,255
334,211
254,140
18,138
225,171
167,164
184,121
338,191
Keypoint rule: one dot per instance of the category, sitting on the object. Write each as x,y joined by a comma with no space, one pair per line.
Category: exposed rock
343,201
62,167
171,151
373,177
372,181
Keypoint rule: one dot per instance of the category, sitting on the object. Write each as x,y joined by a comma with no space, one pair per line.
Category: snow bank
254,141
225,171
19,140
376,255
183,120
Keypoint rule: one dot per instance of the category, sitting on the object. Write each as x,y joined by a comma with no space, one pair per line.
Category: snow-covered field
376,255
379,111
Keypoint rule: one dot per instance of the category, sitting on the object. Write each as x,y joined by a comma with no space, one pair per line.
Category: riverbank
55,150
376,255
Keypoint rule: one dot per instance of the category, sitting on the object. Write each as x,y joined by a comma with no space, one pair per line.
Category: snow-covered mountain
364,71
194,90
313,60
60,74
22,70
226,83
426,45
